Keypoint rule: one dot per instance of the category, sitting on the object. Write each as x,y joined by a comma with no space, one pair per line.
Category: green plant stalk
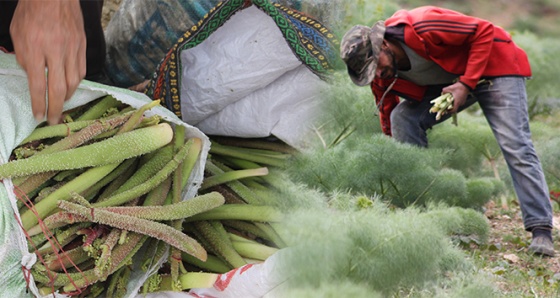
260,152
272,234
156,250
251,249
138,142
229,196
212,263
107,179
118,282
86,134
33,182
149,169
247,227
183,209
71,141
190,161
104,261
58,130
236,152
66,259
240,212
232,176
62,238
79,184
54,221
256,144
119,180
147,227
98,109
137,117
220,244
237,187
121,255
191,280
67,175
148,121
158,195
174,259
149,184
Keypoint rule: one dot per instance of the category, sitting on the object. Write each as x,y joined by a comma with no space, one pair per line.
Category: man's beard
393,60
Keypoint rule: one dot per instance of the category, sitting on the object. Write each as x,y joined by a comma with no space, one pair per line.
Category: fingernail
39,117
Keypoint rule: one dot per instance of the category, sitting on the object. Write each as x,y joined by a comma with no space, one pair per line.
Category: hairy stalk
72,141
121,255
104,260
86,134
151,228
79,184
175,211
137,142
149,169
149,184
219,242
174,259
158,195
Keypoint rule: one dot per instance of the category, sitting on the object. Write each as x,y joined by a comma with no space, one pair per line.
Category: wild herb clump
379,166
472,148
549,155
382,249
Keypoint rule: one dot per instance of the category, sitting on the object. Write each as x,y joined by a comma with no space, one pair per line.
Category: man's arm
50,34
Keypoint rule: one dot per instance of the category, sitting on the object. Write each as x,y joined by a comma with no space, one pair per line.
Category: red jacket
467,46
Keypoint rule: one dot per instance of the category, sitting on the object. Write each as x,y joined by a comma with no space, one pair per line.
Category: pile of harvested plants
106,188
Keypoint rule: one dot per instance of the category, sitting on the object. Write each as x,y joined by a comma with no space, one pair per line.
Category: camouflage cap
359,49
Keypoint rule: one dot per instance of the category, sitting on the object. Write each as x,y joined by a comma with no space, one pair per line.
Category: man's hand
50,34
459,92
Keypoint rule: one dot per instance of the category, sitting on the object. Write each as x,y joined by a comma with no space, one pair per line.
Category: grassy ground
518,273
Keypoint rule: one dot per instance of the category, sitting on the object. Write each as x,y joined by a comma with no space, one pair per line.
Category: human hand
459,92
50,34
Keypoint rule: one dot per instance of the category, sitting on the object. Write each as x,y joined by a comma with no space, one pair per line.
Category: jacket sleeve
385,108
447,32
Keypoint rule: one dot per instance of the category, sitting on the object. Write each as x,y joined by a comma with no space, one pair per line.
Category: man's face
386,64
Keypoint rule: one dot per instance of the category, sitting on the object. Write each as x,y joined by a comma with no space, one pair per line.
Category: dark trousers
91,11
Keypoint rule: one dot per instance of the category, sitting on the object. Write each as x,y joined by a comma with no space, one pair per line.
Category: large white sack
16,123
245,81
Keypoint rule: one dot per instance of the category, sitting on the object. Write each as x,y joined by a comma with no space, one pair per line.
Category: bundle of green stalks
240,232
109,181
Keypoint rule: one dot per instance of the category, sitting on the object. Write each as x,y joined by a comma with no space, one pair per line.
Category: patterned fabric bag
249,69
